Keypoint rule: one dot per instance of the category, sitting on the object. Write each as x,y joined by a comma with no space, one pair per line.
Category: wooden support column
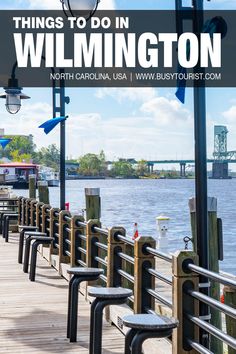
32,186
184,280
39,215
75,240
43,192
33,212
93,203
114,262
63,258
216,254
142,279
92,237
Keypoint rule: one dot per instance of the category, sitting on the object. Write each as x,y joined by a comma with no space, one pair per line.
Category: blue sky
140,123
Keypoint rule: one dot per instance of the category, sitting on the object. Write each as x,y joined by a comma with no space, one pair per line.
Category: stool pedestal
79,275
103,297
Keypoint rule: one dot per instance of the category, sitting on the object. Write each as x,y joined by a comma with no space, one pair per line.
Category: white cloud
127,94
230,114
139,136
166,111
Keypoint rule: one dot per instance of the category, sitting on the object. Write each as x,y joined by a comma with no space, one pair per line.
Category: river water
127,201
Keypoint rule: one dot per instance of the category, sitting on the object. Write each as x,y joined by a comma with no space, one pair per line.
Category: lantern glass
13,103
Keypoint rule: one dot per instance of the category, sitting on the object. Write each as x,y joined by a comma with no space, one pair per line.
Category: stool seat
85,271
35,233
109,293
149,322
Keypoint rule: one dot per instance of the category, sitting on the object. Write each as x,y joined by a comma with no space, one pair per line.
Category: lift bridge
220,161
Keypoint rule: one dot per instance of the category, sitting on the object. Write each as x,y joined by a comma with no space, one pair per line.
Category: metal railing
212,303
134,264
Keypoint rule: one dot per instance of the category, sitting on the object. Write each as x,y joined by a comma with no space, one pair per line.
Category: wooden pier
33,315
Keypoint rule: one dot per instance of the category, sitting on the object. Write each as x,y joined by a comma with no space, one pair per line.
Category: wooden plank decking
33,315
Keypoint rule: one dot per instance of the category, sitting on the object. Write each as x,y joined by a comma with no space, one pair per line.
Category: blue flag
215,25
50,124
4,142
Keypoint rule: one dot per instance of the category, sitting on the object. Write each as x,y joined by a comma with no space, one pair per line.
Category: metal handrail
212,275
67,218
227,310
126,257
101,245
160,298
103,277
100,260
104,232
82,250
81,223
83,264
125,239
82,237
166,257
125,275
198,347
213,331
159,276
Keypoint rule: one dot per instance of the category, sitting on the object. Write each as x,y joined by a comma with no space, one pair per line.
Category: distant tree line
23,149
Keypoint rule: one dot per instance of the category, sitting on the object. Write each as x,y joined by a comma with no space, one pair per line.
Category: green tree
17,157
48,156
92,164
21,144
123,169
142,168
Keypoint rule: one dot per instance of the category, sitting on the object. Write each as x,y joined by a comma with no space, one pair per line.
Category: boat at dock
16,174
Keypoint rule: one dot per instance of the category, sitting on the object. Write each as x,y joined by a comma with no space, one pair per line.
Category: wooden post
23,210
19,202
39,206
33,212
93,203
216,345
28,211
92,236
53,229
113,261
92,250
182,302
45,249
230,300
63,258
143,280
32,186
43,192
76,241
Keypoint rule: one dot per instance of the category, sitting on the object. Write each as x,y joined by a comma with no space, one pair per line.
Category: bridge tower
220,167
